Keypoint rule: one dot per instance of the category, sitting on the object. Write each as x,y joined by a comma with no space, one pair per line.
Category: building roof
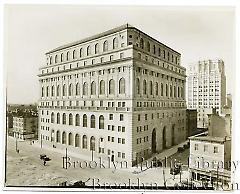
210,139
114,30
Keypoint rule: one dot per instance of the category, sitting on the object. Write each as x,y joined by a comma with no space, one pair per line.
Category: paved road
26,169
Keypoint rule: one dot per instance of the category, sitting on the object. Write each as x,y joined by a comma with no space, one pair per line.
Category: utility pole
66,158
16,143
164,179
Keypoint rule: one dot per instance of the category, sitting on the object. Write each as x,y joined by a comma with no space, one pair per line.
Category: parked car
180,149
42,156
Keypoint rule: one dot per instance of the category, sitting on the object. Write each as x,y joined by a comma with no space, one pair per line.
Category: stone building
119,94
206,89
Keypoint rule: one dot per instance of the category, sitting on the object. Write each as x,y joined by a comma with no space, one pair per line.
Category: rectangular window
215,149
119,140
196,146
110,116
123,129
111,57
123,141
139,117
109,138
119,128
205,148
121,117
123,155
119,154
112,139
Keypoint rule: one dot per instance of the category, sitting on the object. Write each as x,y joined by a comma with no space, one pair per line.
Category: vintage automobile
42,156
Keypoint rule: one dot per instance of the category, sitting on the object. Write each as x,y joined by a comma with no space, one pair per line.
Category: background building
191,122
25,126
119,94
206,88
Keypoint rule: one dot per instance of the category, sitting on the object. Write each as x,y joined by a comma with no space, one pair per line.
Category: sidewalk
167,153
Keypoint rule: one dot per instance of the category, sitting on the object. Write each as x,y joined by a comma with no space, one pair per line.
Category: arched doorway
173,136
164,146
154,141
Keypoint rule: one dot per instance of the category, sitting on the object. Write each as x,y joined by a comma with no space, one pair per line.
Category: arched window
58,90
70,139
122,86
52,117
74,54
70,90
56,58
101,122
64,119
166,90
102,87
96,48
111,86
85,88
92,121
64,90
138,86
115,43
148,46
144,87
84,142
68,55
151,88
64,137
161,89
47,92
42,91
80,52
84,120
70,119
58,136
141,43
105,46
77,141
77,120
53,91
88,50
77,89
92,143
93,88
156,88
61,57
58,118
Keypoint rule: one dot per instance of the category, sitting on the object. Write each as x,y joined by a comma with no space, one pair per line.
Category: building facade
210,159
119,94
206,88
25,127
191,122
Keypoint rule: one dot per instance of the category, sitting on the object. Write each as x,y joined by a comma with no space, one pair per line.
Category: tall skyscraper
118,95
206,84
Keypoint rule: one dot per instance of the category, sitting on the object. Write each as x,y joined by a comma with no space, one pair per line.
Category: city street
26,169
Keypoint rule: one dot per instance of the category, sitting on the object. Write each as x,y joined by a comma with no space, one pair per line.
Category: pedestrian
44,162
18,151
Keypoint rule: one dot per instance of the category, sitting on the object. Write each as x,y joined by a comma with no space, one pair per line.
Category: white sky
30,31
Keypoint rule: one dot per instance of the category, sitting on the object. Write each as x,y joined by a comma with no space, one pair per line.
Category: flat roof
211,139
117,29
